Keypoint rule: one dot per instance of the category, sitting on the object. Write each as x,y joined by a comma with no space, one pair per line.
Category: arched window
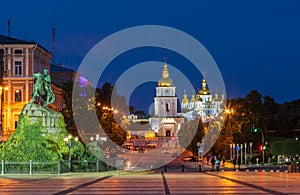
167,107
18,95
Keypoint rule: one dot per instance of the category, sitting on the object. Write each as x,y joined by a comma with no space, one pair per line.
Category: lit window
18,68
18,95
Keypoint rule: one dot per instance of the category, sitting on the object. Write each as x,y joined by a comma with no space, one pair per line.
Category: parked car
190,159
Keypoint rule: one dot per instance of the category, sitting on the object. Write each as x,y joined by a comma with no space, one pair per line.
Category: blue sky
255,43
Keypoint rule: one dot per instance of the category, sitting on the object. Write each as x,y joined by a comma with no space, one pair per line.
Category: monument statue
42,88
42,93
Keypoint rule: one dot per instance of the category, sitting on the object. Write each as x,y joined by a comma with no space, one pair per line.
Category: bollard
165,168
182,168
30,167
200,169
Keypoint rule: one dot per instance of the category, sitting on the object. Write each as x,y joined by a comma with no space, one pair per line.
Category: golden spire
165,81
193,98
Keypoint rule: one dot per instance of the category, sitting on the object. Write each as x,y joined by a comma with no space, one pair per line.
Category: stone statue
42,88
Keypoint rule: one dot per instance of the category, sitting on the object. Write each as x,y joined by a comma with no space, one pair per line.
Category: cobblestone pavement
227,182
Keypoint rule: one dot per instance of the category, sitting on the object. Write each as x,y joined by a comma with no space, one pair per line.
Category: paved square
227,182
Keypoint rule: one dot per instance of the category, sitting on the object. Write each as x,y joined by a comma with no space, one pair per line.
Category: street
120,182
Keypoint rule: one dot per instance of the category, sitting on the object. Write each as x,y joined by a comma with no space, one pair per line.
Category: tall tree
190,133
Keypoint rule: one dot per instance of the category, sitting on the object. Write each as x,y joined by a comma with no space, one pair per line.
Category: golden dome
193,99
204,90
216,98
165,81
185,100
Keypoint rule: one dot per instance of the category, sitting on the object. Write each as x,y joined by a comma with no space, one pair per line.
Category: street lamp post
250,152
245,153
68,141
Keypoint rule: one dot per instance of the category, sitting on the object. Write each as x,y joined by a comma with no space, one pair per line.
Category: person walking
218,162
213,162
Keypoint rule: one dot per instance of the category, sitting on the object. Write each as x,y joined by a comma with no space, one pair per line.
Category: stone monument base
49,118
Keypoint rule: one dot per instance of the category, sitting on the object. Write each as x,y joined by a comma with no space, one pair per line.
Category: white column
245,153
9,60
27,62
241,153
233,151
237,152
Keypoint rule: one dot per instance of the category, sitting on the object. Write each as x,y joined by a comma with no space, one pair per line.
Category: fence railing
60,166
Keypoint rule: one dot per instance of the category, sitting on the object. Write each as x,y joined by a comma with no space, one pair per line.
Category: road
149,159
226,182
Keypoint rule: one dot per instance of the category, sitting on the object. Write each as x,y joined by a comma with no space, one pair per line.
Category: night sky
255,43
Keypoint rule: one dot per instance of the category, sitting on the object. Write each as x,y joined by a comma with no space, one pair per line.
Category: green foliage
31,142
285,146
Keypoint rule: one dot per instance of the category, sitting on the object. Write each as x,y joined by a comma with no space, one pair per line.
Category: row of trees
277,122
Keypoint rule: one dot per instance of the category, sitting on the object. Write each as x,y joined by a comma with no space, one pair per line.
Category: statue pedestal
49,117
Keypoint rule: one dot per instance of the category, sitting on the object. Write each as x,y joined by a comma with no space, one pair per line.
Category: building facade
20,60
165,121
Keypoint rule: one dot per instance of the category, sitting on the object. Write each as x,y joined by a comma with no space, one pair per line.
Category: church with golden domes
203,105
166,120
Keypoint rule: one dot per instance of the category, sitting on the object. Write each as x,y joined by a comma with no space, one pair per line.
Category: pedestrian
218,162
234,163
213,162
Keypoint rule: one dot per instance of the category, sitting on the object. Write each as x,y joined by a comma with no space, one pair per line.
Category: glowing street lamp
68,141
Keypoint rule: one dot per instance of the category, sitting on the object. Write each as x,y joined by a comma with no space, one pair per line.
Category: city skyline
255,44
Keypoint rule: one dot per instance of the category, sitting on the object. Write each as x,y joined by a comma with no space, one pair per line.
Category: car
166,151
190,159
128,146
152,145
